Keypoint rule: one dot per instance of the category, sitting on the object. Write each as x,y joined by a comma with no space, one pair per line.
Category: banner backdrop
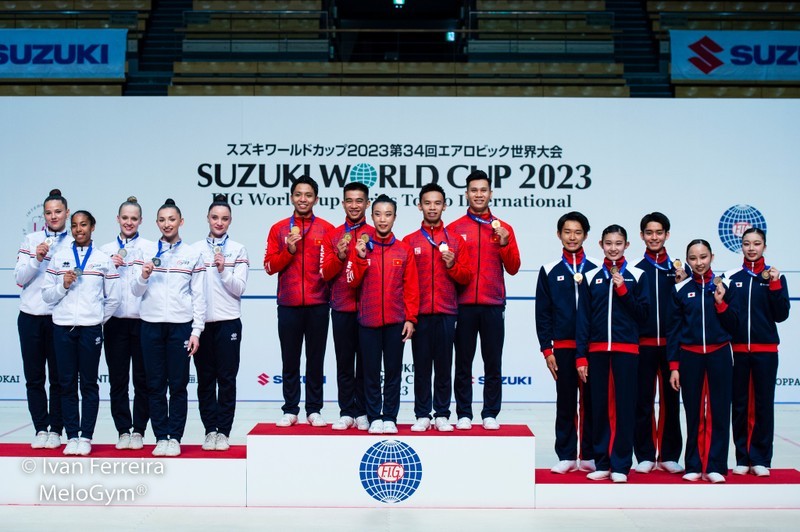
714,167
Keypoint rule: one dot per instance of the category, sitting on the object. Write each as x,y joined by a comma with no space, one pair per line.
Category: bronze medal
156,262
765,275
578,277
677,264
496,224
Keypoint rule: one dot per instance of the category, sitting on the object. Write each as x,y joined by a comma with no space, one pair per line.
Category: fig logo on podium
390,471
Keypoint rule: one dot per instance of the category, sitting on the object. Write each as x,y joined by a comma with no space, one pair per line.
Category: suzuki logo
263,379
706,48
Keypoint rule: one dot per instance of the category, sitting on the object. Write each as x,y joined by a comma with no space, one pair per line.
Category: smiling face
614,246
753,247
169,223
82,229
355,205
55,215
572,236
432,206
219,219
479,194
383,217
129,220
699,258
303,199
654,237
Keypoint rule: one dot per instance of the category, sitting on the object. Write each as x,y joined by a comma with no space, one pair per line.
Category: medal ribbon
606,272
371,244
162,251
573,269
78,263
213,242
127,241
57,236
481,220
430,239
657,265
292,223
750,271
348,228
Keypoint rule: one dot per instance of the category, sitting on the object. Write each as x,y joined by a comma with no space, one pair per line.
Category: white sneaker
740,470
421,425
362,423
316,420
72,447
692,477
53,441
760,471
137,442
645,466
40,439
376,427
490,423
587,465
84,447
442,424
598,475
287,420
222,442
619,478
161,448
343,423
565,466
389,427
670,466
173,448
464,423
124,441
210,443
714,478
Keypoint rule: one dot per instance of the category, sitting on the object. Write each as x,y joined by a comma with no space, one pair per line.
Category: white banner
711,166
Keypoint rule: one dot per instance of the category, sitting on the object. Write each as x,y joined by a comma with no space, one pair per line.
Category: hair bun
132,199
169,201
221,198
55,192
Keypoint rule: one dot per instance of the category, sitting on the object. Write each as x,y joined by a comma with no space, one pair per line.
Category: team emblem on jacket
417,251
560,278
397,262
599,280
690,294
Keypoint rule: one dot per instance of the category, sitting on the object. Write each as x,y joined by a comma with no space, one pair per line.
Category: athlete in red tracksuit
293,252
443,265
336,248
700,357
386,274
761,297
481,304
612,307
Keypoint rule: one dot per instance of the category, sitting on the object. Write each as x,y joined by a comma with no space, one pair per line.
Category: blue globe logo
735,221
390,471
364,173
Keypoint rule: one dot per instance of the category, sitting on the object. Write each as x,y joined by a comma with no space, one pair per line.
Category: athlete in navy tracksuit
557,295
699,351
217,359
612,307
761,298
35,322
657,443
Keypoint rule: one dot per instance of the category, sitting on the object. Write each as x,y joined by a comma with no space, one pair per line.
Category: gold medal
122,252
295,230
677,264
365,238
717,281
496,224
217,249
614,270
765,275
578,277
156,262
444,248
49,241
78,272
347,238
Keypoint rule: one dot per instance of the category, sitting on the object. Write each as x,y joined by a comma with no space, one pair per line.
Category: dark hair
756,230
383,198
614,228
477,175
130,202
656,217
698,241
574,216
55,195
355,185
432,187
220,200
92,221
305,180
169,203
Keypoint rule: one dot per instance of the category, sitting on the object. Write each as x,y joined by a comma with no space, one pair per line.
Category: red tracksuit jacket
343,296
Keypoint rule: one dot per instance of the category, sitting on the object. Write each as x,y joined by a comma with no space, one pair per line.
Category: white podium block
109,477
319,467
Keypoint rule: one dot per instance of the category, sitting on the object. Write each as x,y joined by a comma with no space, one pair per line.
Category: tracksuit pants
754,377
656,440
124,359
217,365
349,364
706,389
612,378
295,324
573,410
166,364
78,354
489,322
382,344
432,347
39,366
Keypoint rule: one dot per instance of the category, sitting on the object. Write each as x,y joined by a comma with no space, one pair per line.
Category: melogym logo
706,48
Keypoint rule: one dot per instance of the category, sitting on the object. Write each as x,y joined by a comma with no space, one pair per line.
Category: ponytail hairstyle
614,228
757,230
55,195
169,203
131,202
220,200
700,241
92,221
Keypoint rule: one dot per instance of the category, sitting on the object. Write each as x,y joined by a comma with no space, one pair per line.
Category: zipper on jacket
749,310
610,303
658,310
703,313
383,285
478,269
433,276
